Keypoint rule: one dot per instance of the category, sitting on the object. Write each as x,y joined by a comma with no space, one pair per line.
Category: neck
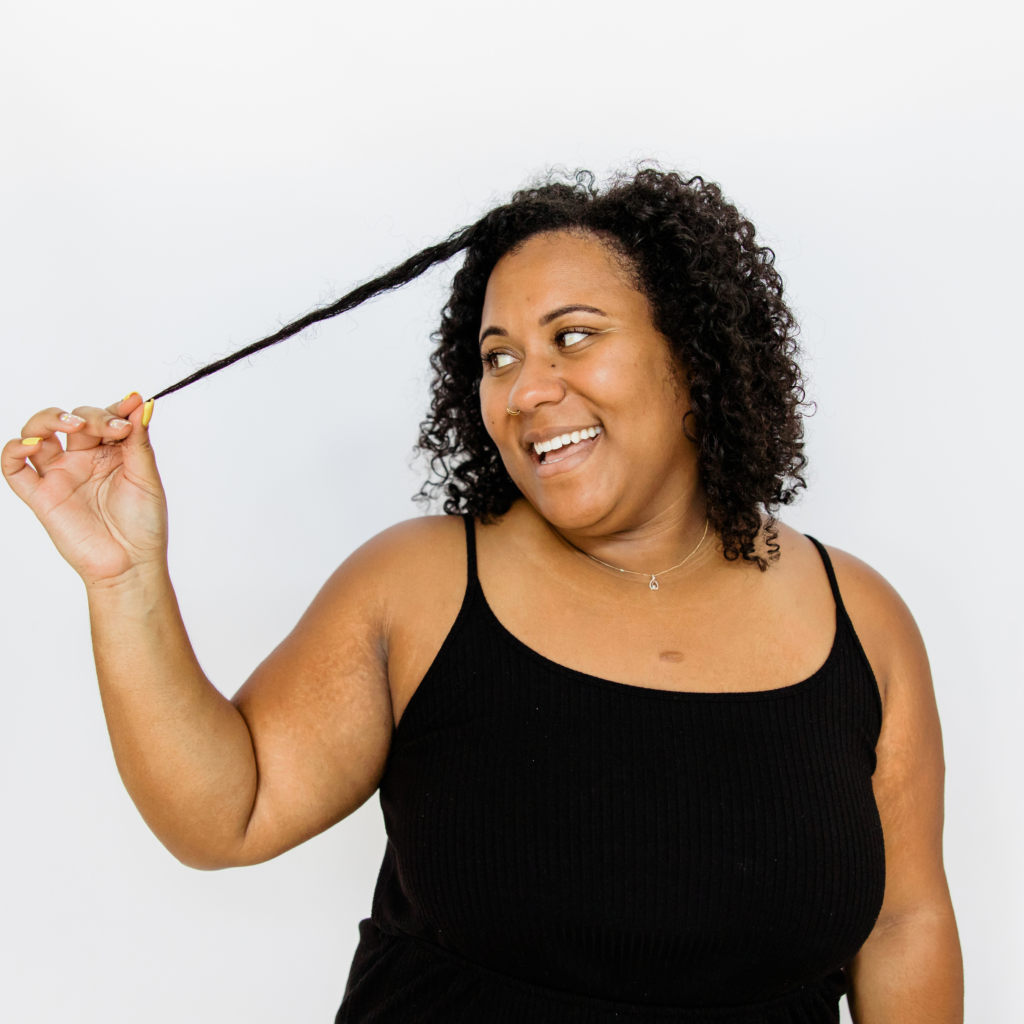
647,544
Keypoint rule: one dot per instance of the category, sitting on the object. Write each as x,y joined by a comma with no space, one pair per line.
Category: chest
540,817
737,638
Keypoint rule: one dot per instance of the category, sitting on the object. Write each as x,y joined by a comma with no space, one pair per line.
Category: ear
686,433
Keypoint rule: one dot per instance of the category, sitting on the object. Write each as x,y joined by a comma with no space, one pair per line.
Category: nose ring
512,412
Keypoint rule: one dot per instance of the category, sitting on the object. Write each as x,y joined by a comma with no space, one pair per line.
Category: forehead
555,269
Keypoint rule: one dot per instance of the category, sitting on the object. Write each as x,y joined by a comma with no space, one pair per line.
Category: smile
559,441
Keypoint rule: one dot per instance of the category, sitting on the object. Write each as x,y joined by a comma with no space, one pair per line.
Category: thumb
137,452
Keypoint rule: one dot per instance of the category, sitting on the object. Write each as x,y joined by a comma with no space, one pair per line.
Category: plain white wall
177,179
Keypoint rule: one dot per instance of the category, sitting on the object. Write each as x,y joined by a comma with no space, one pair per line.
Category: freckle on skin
671,656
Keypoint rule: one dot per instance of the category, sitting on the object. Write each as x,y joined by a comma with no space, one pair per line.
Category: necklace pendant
654,583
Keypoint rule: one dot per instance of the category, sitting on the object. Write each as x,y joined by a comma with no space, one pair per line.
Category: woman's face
568,341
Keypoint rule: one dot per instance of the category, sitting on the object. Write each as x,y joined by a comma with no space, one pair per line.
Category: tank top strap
833,582
470,520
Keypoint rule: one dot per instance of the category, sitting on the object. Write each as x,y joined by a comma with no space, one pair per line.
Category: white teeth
563,439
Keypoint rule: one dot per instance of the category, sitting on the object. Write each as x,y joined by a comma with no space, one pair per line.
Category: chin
571,506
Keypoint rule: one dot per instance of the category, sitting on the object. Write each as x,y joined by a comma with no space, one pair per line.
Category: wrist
140,578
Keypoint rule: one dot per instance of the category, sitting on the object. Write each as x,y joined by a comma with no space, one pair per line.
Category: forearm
910,971
183,750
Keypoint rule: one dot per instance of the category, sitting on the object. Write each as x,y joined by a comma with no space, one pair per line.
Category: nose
539,383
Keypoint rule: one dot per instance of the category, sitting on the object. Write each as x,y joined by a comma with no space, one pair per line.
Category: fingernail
67,417
118,424
147,412
129,395
31,440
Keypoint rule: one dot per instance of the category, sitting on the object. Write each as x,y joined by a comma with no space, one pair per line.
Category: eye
572,337
499,360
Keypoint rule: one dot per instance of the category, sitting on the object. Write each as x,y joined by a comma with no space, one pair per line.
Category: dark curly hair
715,295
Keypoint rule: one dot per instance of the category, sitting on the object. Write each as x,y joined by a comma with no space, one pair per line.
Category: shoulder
410,571
884,624
399,567
412,581
415,544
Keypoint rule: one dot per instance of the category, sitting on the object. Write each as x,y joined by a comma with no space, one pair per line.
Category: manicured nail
129,395
71,419
118,424
31,440
147,412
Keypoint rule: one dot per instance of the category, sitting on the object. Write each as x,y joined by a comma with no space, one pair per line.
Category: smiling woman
644,753
687,266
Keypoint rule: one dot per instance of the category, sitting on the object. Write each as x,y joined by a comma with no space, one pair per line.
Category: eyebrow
546,319
562,310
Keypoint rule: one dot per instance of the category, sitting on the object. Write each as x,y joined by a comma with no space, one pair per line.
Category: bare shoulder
417,546
411,580
400,560
883,622
399,580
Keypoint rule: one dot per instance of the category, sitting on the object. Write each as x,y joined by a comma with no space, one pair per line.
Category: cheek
639,391
492,410
624,386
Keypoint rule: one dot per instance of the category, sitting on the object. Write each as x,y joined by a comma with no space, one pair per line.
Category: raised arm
910,968
220,783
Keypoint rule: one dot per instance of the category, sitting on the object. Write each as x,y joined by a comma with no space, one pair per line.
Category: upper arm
319,707
910,773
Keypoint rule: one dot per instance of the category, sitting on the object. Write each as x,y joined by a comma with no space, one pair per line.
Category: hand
101,500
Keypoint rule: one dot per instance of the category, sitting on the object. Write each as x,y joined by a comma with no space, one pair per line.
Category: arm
220,782
302,745
909,970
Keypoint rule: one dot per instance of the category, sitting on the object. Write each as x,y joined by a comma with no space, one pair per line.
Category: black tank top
563,849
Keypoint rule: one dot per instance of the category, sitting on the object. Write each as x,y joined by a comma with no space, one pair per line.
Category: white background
178,179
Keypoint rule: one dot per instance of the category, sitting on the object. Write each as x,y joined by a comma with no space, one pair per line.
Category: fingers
49,421
132,401
39,444
99,426
86,427
17,472
126,406
44,427
139,460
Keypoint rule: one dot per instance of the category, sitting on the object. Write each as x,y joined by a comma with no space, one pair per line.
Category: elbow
201,862
207,856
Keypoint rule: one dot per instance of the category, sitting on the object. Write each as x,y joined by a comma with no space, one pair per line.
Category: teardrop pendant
654,583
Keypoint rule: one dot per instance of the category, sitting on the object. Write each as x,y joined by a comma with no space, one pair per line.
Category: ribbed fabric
562,848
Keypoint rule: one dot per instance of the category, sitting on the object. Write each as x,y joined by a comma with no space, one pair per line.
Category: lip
575,456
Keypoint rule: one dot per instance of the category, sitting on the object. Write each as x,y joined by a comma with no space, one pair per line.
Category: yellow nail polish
129,395
147,413
31,440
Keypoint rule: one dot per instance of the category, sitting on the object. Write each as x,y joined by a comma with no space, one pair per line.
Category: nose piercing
512,412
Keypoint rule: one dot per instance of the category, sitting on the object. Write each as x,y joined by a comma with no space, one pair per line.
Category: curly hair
714,294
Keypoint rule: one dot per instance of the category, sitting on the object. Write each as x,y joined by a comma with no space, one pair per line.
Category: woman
644,753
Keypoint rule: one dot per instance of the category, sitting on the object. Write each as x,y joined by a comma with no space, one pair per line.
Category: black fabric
562,848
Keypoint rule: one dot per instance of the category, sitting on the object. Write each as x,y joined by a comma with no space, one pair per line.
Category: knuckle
138,445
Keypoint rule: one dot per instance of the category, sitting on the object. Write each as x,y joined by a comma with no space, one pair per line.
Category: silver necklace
653,575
